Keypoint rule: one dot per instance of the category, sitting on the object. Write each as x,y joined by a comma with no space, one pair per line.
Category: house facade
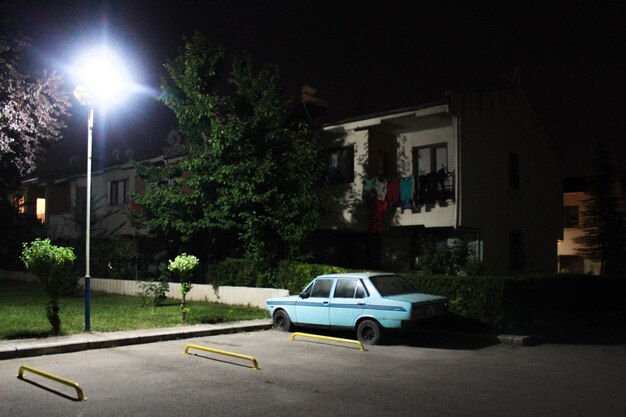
575,197
478,165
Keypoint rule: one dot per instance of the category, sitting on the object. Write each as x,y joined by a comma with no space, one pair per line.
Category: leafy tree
31,114
53,266
603,224
244,171
32,109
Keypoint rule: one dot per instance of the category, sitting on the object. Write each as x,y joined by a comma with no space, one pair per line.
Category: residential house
575,196
477,165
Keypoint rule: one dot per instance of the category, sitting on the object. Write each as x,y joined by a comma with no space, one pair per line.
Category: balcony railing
434,188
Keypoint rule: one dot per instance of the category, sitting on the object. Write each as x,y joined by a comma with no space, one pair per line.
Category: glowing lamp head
101,77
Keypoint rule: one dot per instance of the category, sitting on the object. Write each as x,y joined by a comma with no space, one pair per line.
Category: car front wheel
281,321
369,332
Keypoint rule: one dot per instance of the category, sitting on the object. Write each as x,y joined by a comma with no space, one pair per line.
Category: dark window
81,197
322,287
516,245
360,291
514,170
339,165
433,181
570,216
392,285
345,288
119,193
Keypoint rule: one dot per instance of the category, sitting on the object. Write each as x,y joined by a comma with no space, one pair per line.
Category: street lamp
101,81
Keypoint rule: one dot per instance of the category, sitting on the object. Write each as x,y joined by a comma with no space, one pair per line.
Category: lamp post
101,80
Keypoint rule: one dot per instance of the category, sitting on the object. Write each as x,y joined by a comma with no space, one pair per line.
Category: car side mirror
304,295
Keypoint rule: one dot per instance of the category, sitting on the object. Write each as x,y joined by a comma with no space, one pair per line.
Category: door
314,309
347,302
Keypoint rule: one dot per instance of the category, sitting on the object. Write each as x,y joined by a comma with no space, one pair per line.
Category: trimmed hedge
290,275
479,299
526,303
295,275
512,304
243,273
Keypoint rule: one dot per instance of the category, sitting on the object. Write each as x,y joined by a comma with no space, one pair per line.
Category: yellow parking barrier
255,364
79,390
334,339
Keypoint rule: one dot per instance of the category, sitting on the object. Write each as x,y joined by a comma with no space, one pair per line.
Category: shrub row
526,303
287,274
515,304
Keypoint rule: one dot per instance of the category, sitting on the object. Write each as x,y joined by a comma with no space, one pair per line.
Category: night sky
367,56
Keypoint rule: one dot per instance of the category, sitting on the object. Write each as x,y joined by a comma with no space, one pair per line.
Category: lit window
41,209
19,203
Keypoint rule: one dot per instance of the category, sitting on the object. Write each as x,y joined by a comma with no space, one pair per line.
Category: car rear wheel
281,321
369,332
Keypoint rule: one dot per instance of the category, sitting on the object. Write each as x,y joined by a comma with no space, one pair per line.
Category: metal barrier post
334,339
255,364
79,390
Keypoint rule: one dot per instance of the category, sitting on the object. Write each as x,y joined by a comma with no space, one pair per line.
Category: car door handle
361,303
325,302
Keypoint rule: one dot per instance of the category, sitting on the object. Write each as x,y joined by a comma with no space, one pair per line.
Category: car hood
416,297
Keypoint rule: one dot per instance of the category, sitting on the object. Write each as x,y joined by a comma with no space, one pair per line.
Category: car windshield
392,285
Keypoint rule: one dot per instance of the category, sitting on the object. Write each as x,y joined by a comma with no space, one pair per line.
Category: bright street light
101,81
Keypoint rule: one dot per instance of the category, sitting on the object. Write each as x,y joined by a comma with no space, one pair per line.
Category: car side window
321,288
345,288
308,289
360,291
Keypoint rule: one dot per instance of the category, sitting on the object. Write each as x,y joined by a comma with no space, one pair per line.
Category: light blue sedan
368,302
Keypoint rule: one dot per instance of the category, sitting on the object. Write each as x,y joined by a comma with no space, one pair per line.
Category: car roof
356,275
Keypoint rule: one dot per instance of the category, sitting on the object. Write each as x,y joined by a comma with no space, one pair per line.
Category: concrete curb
21,348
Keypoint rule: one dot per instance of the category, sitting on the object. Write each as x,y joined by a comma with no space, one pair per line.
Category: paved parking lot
410,377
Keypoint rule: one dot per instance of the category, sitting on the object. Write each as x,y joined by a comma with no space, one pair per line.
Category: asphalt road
423,376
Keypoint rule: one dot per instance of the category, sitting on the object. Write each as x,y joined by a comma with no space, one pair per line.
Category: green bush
295,275
53,266
291,275
241,272
525,303
154,293
478,298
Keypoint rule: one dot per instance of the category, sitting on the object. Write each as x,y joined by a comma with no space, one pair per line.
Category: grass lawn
23,312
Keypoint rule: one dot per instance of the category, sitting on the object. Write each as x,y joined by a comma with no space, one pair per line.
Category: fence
254,297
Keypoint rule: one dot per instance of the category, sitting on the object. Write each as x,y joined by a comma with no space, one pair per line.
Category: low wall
254,297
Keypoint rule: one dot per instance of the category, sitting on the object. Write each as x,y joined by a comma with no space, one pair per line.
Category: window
514,170
516,246
570,216
392,285
360,291
119,193
41,209
345,288
322,287
433,180
339,166
19,203
81,197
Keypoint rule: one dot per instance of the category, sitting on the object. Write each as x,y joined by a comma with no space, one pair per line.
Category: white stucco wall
254,297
